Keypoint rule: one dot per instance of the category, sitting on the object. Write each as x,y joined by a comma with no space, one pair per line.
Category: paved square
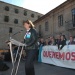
41,69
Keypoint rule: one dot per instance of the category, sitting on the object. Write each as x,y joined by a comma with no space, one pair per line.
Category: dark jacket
31,39
62,44
57,41
49,43
71,43
41,43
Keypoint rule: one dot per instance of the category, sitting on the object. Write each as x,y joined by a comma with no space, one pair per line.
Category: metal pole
11,56
16,54
19,60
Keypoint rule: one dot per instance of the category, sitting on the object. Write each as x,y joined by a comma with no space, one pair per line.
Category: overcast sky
41,6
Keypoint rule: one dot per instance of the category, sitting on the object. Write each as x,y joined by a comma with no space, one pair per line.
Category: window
16,21
10,29
6,8
40,28
46,26
6,18
38,17
25,12
60,20
16,11
40,33
73,16
32,15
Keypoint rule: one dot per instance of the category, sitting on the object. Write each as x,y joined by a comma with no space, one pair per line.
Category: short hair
71,36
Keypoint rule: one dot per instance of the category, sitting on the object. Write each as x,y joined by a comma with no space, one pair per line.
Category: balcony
69,25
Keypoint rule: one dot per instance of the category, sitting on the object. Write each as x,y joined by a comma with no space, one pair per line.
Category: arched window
6,8
32,15
25,12
16,11
16,21
38,16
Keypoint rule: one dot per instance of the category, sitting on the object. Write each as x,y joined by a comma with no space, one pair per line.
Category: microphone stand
15,34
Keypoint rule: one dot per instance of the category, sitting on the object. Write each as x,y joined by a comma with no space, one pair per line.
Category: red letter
49,54
62,55
44,53
57,55
68,56
73,56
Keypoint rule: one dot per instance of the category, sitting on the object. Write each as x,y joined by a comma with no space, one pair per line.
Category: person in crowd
50,38
74,38
46,42
52,41
62,43
72,42
58,39
64,37
41,42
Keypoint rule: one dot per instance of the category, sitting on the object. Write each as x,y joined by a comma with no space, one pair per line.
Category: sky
41,6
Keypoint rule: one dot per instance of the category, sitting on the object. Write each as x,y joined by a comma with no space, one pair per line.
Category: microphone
17,32
13,35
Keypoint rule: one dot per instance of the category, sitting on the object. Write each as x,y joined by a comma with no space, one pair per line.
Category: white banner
63,58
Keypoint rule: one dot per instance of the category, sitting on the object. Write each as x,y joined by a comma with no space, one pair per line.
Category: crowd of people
59,41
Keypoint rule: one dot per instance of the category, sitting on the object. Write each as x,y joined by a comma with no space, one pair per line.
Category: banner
63,58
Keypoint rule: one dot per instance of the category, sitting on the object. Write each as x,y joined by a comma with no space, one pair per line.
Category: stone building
60,20
11,22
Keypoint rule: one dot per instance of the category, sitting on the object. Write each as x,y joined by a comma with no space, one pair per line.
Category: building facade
11,22
60,20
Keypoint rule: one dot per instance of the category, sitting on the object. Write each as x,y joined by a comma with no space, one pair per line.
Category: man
57,41
72,42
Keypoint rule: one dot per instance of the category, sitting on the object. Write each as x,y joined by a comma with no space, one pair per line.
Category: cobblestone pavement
41,69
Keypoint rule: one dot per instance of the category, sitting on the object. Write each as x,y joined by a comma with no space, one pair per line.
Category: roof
52,11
